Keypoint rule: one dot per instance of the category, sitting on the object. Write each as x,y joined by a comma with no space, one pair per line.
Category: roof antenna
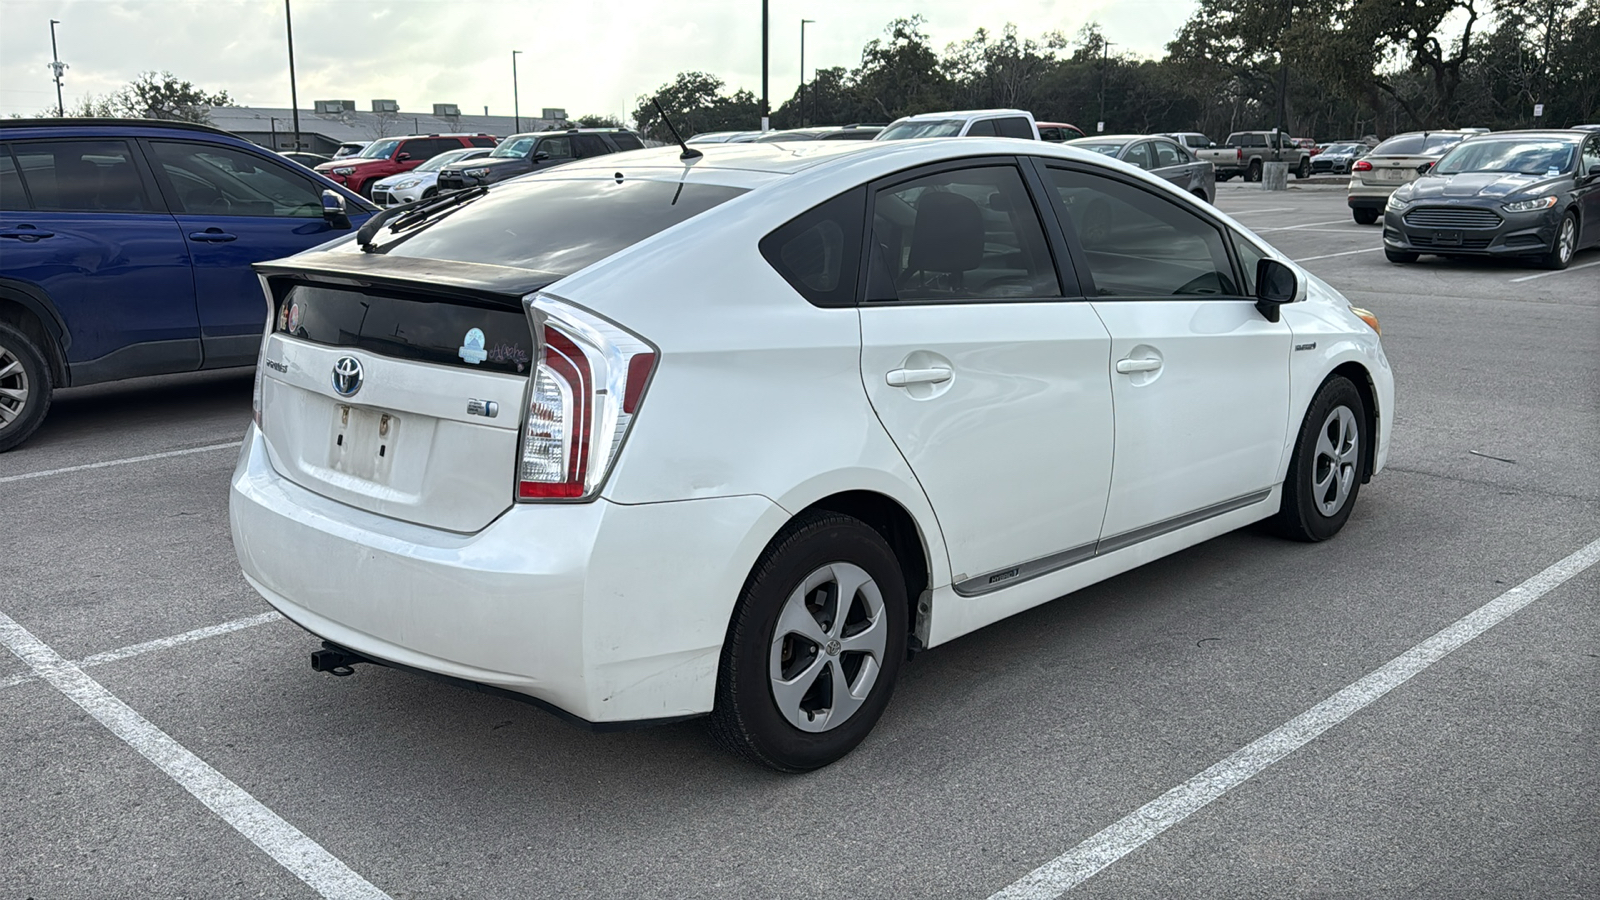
688,152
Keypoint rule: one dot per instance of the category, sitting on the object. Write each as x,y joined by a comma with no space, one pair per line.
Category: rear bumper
608,612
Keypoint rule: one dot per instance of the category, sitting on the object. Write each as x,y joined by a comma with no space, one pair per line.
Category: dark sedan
1513,193
1160,156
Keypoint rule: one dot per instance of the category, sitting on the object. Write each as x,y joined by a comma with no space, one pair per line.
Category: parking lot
1056,750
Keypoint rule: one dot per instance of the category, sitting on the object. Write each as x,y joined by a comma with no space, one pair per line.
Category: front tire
815,645
1326,470
25,387
1364,216
1564,245
1400,256
1305,168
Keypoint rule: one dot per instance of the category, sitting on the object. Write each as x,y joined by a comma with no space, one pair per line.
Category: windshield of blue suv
1524,156
514,147
556,226
379,149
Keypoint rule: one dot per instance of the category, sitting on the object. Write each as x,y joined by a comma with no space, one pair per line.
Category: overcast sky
585,57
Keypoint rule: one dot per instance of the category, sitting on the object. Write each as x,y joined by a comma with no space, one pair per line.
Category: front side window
1249,258
1591,157
556,147
81,176
1138,244
221,181
1167,154
1139,155
969,234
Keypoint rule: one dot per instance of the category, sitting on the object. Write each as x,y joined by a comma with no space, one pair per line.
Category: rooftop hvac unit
446,109
385,106
334,107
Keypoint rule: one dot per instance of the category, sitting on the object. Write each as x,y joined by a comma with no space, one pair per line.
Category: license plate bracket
362,442
1447,238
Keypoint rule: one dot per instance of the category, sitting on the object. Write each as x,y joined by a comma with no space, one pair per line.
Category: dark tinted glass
81,176
556,147
557,226
220,181
819,251
982,128
1014,127
970,234
11,193
410,327
586,145
627,142
481,141
1139,244
1052,134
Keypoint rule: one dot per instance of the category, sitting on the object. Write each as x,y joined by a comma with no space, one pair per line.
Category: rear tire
1329,459
1564,245
1255,171
1400,256
807,671
1364,216
25,387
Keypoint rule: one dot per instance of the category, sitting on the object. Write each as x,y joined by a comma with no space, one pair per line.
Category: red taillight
583,392
1361,166
1238,154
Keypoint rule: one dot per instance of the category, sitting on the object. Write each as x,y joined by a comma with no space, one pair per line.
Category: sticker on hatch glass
472,347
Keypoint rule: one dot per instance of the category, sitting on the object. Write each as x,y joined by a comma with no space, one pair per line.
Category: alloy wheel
1567,239
828,647
1333,473
13,387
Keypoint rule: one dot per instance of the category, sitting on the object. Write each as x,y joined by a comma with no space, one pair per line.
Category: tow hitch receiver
335,660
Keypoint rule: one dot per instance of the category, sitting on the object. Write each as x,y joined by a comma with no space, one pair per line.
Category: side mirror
1276,285
334,212
540,155
1594,170
402,157
1425,168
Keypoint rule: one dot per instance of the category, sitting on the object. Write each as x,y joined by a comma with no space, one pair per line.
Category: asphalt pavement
1071,731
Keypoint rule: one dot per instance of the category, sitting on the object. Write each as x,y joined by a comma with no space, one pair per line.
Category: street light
803,24
57,66
516,102
1105,53
294,94
766,107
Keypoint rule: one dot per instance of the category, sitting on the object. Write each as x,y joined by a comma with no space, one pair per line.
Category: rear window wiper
414,213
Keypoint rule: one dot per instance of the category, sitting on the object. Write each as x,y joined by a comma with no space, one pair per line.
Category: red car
1056,132
391,156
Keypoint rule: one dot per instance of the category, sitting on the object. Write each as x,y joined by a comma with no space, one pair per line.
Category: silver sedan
1160,156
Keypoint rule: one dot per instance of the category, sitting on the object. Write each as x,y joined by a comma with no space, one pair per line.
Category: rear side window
1014,127
557,227
589,145
81,176
627,142
12,196
819,251
982,128
1168,154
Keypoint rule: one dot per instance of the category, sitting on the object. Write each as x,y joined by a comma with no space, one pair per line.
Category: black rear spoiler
495,285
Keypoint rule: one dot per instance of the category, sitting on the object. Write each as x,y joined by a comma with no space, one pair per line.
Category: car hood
1492,185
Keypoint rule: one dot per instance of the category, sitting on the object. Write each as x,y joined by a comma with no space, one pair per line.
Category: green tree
161,95
695,103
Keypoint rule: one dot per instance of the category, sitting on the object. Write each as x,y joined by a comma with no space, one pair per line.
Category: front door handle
26,233
1130,366
212,236
931,375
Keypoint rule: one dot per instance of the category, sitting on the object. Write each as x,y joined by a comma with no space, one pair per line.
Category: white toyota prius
666,434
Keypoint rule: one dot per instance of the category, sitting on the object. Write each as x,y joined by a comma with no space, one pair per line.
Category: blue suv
126,246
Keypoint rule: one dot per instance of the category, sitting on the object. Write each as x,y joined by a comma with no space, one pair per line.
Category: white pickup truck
1229,159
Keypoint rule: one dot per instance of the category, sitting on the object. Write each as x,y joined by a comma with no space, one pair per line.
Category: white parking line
1134,830
1556,272
198,634
1332,255
119,462
1298,227
286,844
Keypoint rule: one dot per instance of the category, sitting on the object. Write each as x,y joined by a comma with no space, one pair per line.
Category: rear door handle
212,236
1130,366
932,375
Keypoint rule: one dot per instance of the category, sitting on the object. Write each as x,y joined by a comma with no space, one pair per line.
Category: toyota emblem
347,376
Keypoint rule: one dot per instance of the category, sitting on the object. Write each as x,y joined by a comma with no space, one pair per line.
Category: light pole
57,66
803,24
766,107
516,102
294,93
1105,48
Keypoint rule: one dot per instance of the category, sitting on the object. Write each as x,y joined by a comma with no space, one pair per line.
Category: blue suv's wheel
24,387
